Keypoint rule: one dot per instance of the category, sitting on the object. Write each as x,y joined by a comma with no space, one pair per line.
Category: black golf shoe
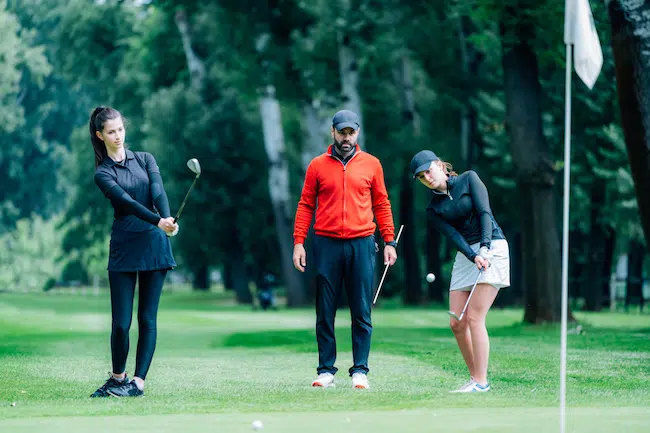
111,382
128,389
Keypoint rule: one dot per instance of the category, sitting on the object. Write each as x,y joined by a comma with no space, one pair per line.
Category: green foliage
88,216
232,193
29,255
129,54
92,42
31,154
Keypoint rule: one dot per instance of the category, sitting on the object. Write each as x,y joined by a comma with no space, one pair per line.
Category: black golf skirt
147,250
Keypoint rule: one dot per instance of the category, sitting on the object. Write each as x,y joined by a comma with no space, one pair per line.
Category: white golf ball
13,404
257,425
431,278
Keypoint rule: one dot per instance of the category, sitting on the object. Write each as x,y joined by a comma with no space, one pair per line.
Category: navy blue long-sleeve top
463,213
136,191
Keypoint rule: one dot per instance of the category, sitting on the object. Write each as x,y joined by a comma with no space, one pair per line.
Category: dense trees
248,88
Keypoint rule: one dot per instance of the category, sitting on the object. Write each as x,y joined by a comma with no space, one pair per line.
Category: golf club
451,313
386,270
192,164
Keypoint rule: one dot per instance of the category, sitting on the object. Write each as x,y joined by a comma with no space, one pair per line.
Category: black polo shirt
463,213
132,176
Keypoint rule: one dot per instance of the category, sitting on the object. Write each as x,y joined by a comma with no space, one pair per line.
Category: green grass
219,367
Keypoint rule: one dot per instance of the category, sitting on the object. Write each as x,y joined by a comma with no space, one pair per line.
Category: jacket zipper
345,187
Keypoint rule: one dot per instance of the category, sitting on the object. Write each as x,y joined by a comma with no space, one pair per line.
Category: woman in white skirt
460,209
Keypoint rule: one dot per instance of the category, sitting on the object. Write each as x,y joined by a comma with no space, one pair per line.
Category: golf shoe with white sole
360,380
324,380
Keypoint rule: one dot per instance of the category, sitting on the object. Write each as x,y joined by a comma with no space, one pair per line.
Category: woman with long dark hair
139,248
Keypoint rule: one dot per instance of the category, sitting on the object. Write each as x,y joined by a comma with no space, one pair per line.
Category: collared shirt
345,160
132,176
463,213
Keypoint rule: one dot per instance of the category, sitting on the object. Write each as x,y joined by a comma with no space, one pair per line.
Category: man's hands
390,255
299,257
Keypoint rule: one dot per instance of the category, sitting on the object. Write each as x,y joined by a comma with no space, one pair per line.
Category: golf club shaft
178,214
470,294
386,268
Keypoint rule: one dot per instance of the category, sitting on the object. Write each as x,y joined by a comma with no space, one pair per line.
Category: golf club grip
399,233
187,195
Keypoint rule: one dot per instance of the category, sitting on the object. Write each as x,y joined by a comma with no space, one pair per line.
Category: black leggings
122,294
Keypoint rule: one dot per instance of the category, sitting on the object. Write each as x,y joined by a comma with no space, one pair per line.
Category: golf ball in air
430,277
257,424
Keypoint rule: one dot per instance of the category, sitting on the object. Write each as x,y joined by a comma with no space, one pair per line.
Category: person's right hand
299,257
481,262
174,233
167,224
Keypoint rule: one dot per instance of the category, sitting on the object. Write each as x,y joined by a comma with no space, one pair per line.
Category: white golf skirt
464,272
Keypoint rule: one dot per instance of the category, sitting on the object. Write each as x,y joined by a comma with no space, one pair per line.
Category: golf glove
174,233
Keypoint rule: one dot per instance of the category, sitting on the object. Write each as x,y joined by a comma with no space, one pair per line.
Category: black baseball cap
346,119
422,161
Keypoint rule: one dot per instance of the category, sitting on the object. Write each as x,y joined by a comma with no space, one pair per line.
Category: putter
192,164
451,313
386,269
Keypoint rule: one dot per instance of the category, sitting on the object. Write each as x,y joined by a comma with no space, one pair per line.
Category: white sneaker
324,380
472,386
360,380
465,387
479,388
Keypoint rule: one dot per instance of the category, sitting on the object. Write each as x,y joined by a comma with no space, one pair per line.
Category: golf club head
193,164
452,314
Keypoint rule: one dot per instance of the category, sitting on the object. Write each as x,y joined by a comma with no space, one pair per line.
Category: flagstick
399,233
565,238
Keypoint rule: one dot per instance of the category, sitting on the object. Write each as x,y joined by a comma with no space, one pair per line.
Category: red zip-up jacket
346,198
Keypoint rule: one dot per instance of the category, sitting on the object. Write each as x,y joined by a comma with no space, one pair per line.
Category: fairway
218,367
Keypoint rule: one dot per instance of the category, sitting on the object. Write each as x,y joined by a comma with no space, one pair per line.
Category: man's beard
339,146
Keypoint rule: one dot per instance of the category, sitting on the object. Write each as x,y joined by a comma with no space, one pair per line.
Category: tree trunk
194,63
348,66
279,191
610,246
317,132
435,290
634,283
630,20
534,172
408,246
201,278
197,81
596,255
239,278
470,62
412,294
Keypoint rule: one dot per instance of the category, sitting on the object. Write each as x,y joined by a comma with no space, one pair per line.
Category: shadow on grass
29,344
396,339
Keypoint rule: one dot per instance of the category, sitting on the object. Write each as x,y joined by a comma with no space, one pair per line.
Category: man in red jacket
345,188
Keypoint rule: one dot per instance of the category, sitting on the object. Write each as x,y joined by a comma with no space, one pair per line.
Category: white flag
580,30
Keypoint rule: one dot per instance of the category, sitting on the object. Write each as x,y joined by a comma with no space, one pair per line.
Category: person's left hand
390,255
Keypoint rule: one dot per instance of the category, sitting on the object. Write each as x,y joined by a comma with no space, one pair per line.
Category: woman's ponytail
97,119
